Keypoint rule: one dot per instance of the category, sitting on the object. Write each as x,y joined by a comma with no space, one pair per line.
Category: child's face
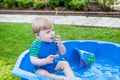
47,35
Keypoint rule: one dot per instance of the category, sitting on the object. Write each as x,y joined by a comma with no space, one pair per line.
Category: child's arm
39,62
61,47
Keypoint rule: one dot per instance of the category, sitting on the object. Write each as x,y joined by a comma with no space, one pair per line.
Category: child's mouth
53,39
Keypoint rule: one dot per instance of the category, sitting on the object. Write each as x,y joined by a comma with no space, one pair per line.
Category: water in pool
100,70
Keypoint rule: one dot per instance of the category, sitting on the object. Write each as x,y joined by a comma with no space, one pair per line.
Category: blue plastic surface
102,50
79,59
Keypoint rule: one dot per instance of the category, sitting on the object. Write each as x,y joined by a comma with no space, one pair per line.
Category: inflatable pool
106,66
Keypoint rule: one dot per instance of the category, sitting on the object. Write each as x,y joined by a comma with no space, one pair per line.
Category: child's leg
45,73
64,65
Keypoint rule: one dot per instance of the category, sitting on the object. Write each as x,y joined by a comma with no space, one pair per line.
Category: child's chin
50,41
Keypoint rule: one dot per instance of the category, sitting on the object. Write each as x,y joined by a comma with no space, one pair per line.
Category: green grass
17,37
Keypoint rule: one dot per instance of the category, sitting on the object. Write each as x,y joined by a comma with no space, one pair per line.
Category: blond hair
41,24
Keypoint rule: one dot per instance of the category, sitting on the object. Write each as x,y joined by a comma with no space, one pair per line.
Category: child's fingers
57,36
54,56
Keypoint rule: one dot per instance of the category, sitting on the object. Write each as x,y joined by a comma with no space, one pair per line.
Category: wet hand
50,58
58,40
54,56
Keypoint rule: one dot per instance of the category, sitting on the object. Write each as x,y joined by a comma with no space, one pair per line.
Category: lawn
17,37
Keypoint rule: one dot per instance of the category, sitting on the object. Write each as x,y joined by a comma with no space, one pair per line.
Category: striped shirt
34,48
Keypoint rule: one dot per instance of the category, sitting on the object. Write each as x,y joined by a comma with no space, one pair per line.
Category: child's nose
52,33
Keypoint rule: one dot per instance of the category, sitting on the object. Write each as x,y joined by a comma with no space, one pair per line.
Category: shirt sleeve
34,48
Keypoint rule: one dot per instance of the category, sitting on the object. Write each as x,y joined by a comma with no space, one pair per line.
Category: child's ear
37,35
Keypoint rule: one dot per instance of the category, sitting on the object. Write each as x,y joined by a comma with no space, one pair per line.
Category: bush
77,4
9,3
64,3
107,2
38,4
110,2
1,4
61,2
22,4
1,1
53,3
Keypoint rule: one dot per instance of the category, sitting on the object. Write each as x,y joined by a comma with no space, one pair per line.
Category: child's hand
58,40
54,56
50,58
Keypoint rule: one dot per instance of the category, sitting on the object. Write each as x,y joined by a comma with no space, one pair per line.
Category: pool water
100,70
